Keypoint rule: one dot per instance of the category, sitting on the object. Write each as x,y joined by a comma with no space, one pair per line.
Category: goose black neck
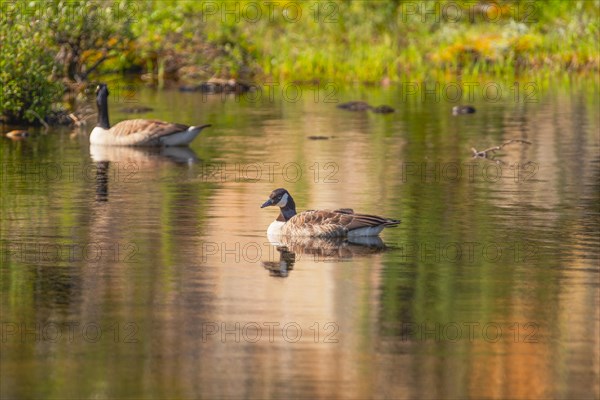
102,103
288,211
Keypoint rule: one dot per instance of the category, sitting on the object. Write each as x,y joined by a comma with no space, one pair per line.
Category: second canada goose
321,223
138,132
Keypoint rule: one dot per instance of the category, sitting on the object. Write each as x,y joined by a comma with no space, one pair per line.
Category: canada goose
138,132
457,110
321,223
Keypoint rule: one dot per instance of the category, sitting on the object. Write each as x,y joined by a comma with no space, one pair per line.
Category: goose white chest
275,228
98,136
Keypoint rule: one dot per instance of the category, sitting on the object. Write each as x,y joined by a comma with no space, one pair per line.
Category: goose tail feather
199,127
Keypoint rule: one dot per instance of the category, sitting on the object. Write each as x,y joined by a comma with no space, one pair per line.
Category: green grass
338,41
352,41
361,41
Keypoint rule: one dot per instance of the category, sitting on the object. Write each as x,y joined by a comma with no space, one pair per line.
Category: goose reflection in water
132,159
281,268
292,249
102,168
143,156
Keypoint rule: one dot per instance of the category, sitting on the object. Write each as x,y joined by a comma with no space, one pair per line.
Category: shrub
26,87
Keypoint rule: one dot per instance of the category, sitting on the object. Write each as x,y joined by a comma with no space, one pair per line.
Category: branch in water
484,153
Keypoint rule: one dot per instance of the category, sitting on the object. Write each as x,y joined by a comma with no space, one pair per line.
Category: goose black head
102,89
282,199
278,197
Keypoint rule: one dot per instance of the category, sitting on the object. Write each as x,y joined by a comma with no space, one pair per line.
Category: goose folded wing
365,220
151,129
323,222
324,217
337,222
342,217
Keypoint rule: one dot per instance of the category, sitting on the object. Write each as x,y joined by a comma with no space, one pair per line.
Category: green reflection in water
156,255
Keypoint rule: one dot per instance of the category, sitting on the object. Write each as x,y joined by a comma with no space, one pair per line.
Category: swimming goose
321,223
138,132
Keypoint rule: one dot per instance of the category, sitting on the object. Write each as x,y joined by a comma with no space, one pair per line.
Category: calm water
135,274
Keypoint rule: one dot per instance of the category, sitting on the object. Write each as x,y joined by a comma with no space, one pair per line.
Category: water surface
148,274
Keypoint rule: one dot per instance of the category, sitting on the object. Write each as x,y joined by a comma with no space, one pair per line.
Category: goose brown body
150,128
335,223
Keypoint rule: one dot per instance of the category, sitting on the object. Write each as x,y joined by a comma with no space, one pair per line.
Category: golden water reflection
184,289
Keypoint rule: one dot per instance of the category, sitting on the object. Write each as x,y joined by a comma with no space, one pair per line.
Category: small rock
355,106
188,88
457,110
383,109
136,109
214,86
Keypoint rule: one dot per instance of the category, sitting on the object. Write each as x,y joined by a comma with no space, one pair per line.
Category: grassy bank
341,41
365,41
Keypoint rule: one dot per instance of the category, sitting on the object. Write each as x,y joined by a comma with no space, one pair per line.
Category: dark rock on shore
215,86
355,106
457,110
136,109
383,109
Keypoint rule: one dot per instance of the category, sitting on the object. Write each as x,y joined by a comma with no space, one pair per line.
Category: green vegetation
342,41
48,45
26,89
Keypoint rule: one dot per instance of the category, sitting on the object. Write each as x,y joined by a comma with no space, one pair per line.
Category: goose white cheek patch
283,201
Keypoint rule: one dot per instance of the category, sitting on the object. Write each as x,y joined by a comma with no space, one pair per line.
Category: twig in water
484,153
